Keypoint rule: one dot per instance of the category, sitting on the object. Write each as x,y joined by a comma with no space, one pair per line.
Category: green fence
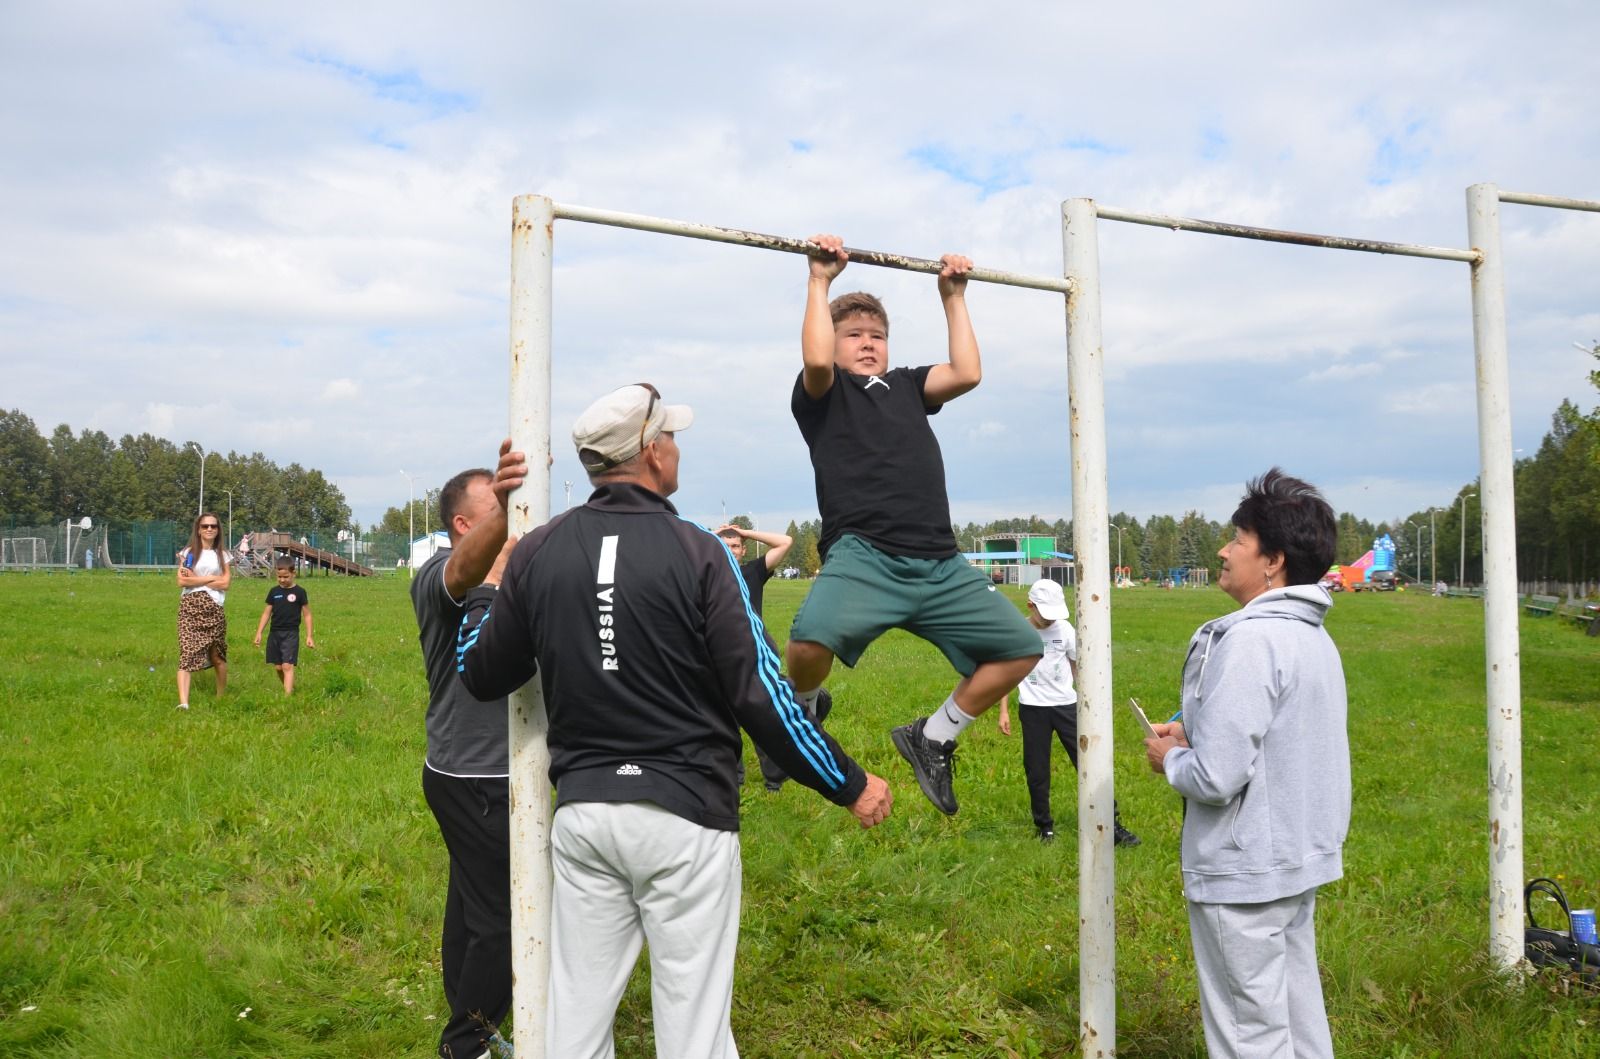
62,542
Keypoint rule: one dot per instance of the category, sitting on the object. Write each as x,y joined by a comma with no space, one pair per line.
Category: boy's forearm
816,331
964,357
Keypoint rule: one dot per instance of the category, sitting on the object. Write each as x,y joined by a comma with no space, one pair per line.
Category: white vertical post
1097,956
1502,660
532,245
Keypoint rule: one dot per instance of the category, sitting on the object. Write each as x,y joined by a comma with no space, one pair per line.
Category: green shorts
862,593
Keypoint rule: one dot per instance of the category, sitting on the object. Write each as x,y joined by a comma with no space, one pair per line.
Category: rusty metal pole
1091,540
1502,661
532,244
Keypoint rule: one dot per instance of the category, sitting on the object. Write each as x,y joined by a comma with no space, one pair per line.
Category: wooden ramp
276,544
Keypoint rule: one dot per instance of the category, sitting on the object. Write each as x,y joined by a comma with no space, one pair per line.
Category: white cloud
1345,372
340,390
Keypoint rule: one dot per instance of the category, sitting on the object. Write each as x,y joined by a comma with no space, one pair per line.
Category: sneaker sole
901,737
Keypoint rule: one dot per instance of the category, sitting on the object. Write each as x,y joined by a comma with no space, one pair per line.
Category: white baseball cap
1048,599
618,426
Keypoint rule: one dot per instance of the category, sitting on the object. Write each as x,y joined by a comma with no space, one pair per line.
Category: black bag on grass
1558,948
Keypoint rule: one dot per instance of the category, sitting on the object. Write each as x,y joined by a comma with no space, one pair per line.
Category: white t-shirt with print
1050,683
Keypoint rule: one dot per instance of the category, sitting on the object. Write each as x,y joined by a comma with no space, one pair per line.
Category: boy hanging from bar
890,556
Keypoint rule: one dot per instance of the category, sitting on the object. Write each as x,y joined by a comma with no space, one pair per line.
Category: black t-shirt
756,575
878,468
286,604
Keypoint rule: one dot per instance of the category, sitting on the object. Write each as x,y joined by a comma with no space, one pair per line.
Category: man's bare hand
830,257
509,473
873,806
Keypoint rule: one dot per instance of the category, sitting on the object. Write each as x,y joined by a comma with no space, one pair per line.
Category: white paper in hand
1144,722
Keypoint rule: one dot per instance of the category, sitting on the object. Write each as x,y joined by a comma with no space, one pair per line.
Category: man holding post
650,660
465,776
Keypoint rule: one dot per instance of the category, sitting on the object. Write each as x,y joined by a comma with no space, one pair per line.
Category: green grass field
260,876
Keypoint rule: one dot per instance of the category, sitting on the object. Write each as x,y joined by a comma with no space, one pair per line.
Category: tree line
141,478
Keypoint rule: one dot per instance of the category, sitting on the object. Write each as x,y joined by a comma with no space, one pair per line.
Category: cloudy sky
285,227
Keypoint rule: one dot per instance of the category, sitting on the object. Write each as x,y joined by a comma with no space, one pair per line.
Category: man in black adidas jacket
651,659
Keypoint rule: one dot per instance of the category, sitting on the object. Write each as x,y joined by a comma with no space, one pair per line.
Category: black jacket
639,626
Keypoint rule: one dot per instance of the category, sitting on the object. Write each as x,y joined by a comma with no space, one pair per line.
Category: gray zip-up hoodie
1266,775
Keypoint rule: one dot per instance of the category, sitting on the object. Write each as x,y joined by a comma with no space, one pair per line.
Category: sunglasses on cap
655,395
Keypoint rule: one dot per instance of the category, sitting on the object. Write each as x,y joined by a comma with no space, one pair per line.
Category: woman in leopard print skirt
203,574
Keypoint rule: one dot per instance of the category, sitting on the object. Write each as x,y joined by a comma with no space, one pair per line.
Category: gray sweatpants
627,873
1260,994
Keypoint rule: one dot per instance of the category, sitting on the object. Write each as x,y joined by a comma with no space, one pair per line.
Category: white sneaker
183,705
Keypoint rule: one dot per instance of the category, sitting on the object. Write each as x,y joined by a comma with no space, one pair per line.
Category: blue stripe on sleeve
802,732
466,641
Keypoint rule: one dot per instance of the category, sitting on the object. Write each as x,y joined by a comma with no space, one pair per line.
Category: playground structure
533,231
266,547
1374,571
1021,559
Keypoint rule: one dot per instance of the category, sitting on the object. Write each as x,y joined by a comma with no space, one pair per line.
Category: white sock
946,724
808,699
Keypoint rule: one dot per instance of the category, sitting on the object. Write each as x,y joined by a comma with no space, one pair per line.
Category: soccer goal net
24,552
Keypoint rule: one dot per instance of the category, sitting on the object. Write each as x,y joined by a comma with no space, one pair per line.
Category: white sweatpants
1260,994
627,873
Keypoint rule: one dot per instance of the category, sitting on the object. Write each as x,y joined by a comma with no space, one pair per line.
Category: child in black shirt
285,604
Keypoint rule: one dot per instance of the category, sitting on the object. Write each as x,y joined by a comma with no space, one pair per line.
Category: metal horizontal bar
1275,235
639,222
1553,201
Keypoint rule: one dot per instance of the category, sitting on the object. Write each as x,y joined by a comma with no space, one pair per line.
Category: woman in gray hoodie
1262,759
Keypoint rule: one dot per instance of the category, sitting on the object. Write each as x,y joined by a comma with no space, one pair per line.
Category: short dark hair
730,534
1290,518
859,301
454,491
283,562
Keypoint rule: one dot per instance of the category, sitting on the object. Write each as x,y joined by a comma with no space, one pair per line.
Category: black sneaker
1121,836
824,706
934,764
774,786
1046,835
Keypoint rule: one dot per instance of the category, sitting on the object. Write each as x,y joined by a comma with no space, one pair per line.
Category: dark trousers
1038,723
474,817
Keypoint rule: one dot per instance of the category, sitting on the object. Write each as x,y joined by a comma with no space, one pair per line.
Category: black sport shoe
1121,836
824,706
934,764
1046,835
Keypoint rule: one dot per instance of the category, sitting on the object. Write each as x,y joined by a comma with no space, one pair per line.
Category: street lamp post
411,520
569,494
230,516
1433,547
1461,572
200,509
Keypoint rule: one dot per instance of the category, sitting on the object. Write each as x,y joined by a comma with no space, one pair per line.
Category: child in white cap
1047,702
